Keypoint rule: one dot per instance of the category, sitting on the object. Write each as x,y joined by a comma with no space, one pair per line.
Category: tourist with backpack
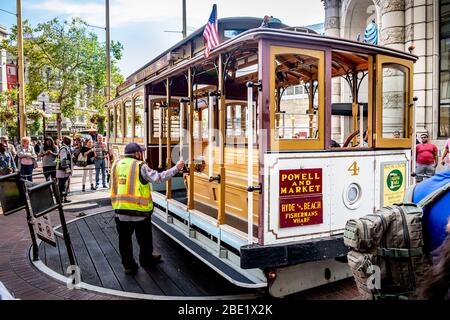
435,285
64,168
389,249
435,217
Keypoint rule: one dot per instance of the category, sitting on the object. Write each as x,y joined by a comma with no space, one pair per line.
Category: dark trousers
49,171
62,186
26,171
143,228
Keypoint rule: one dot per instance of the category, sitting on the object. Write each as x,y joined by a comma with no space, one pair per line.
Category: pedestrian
64,168
436,228
76,148
133,205
11,148
7,165
100,153
37,147
58,143
27,158
436,282
88,151
265,22
48,154
435,216
445,160
426,158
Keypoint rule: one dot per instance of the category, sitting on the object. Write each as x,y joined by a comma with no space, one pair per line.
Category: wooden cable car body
275,221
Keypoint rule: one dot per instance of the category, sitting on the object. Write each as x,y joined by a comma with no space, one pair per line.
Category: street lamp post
20,71
108,59
47,72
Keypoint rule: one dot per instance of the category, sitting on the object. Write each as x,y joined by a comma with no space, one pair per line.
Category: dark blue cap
133,147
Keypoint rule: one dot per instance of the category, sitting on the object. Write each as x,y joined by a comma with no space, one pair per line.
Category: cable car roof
342,61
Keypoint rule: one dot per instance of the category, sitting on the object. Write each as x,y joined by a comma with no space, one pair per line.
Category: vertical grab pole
250,160
413,138
169,139
160,128
191,145
211,133
361,125
182,105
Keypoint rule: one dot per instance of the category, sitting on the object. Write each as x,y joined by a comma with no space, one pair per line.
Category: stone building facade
419,26
3,79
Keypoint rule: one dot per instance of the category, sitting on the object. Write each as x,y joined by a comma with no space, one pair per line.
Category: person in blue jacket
435,216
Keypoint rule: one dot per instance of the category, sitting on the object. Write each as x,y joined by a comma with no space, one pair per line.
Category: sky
141,25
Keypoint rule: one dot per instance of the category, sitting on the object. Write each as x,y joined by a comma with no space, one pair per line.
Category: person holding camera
64,168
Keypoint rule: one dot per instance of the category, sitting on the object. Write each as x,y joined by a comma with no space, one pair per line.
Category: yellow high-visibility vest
127,191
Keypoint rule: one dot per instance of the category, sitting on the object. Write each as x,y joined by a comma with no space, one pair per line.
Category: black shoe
92,187
131,270
84,188
67,201
156,258
104,186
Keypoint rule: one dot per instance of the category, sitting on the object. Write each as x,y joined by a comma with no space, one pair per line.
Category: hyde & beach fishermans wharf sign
301,199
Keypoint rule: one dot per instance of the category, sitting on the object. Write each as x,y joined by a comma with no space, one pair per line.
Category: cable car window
128,119
175,123
139,118
119,120
230,33
394,96
296,118
394,100
297,121
111,123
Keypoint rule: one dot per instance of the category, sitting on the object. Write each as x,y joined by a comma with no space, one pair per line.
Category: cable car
287,134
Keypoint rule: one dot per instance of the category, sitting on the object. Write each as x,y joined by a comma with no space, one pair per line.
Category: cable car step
213,259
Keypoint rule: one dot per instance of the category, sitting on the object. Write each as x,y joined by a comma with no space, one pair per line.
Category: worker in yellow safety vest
132,201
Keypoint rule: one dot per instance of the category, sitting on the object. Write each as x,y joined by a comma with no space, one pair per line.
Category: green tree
68,61
8,113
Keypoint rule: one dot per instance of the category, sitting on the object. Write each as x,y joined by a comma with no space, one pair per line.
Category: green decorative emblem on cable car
394,180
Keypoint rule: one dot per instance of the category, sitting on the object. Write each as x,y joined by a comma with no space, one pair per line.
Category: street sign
53,107
43,97
44,230
50,107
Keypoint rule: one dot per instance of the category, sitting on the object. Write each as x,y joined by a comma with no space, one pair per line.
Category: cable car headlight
352,195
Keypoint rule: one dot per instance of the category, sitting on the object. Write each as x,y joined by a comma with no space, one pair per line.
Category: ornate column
332,17
392,34
332,28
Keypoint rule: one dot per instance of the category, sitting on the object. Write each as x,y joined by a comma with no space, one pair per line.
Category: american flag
210,34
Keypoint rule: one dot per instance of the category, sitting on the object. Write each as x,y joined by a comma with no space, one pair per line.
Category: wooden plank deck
95,243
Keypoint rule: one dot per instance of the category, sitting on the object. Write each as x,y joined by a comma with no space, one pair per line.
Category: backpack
63,164
386,254
81,160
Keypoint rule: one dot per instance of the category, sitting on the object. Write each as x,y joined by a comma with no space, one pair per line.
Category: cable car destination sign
301,199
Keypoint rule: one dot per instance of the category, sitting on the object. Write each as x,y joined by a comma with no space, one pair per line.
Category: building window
444,74
230,33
